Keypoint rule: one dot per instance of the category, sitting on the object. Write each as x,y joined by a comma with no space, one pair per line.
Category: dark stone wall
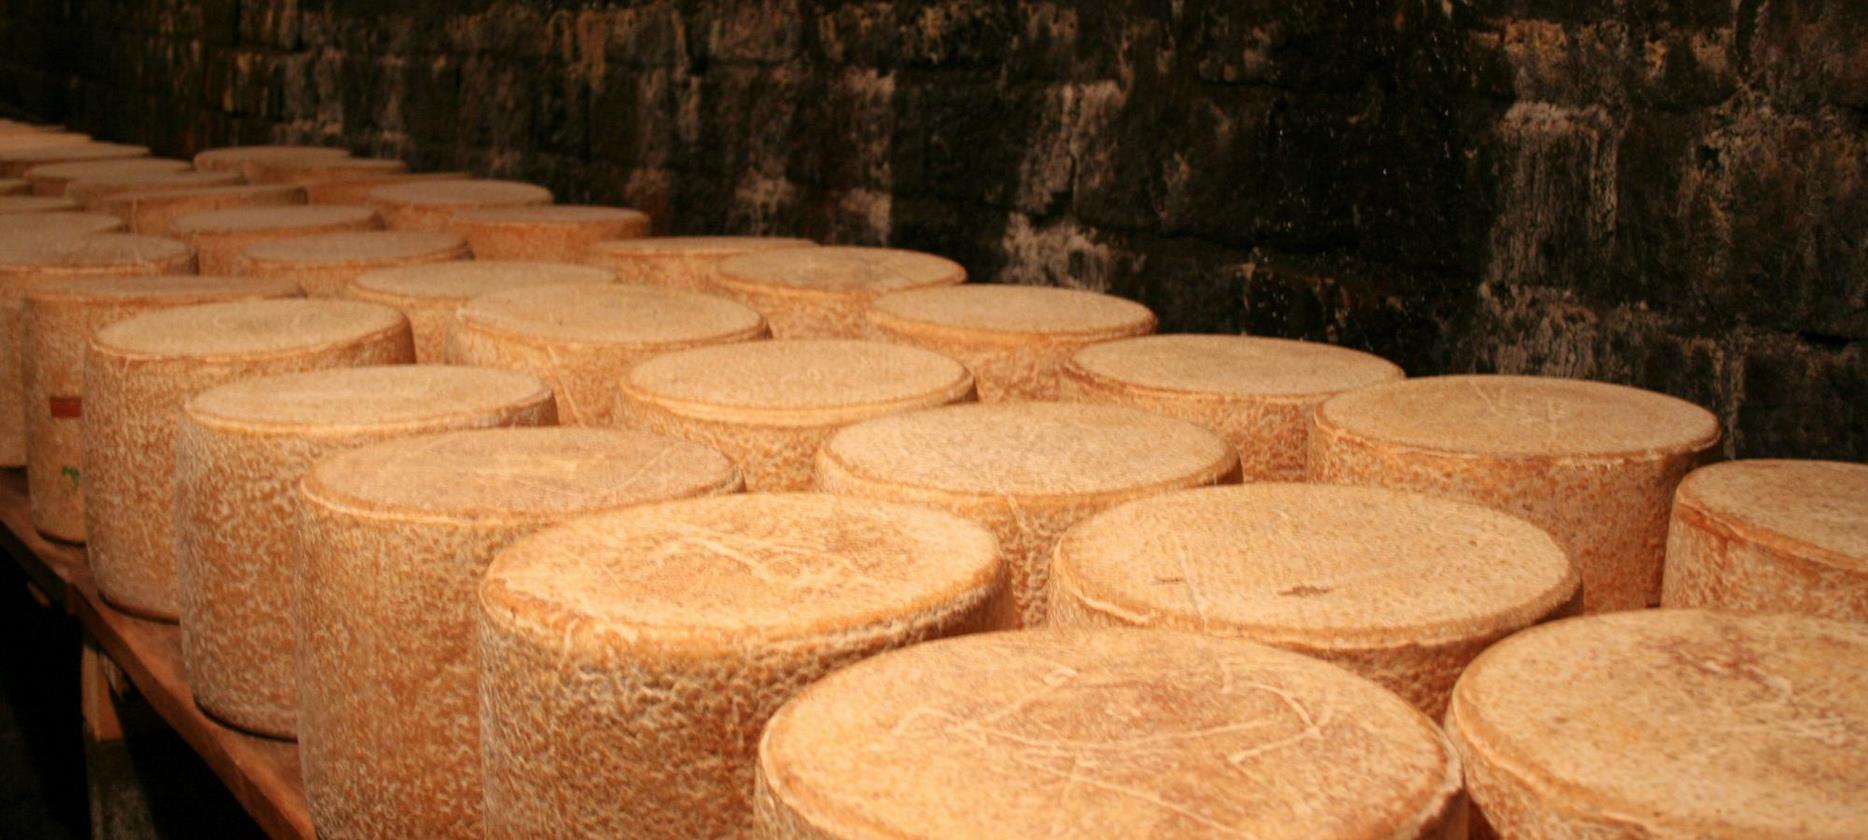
1668,193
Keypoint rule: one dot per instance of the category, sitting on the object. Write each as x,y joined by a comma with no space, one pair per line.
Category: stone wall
1667,193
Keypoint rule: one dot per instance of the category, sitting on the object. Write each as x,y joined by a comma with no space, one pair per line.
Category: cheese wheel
240,450
1103,733
50,137
1026,470
1015,339
822,292
14,186
1771,535
389,725
769,405
220,236
679,262
1668,723
560,232
1257,393
26,263
60,318
16,204
14,163
581,339
432,205
250,160
137,375
355,188
40,227
1401,588
1593,464
90,192
429,294
319,169
628,661
153,212
56,178
324,264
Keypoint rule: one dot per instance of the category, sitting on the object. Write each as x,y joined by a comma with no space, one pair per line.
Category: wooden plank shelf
262,773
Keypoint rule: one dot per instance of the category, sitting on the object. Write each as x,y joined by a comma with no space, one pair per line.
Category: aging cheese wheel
1669,723
1592,463
389,726
822,292
582,338
220,236
14,186
1026,470
355,188
324,264
153,212
240,450
769,405
551,232
59,320
1401,588
250,160
26,263
319,169
41,227
1771,535
679,262
16,204
15,162
628,661
91,192
1103,733
56,178
1015,339
137,375
1258,393
429,294
432,205
28,139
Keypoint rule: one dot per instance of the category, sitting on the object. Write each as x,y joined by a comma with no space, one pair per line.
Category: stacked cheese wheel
430,293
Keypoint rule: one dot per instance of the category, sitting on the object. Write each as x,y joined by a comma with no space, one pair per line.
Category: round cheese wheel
561,232
47,137
1026,470
628,660
26,263
355,188
582,338
240,450
1669,723
250,160
90,192
679,262
1771,535
822,292
41,227
1103,733
389,720
152,213
1401,588
14,186
769,405
429,294
60,318
432,205
1257,393
56,178
137,375
1592,463
318,169
1015,339
220,236
324,264
16,204
14,163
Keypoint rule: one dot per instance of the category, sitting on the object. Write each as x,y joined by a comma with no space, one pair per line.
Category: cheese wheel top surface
376,246
975,308
229,190
93,186
163,287
74,152
247,219
550,214
78,170
461,193
720,246
100,251
1056,732
1696,723
234,157
35,203
466,279
726,570
807,379
246,329
41,225
1232,366
527,474
1028,448
625,316
372,397
1521,416
839,269
1808,507
1318,563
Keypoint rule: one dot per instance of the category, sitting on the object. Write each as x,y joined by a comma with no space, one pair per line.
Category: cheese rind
220,236
629,660
249,161
431,205
688,263
12,204
151,213
430,293
90,193
15,163
323,265
55,178
822,292
321,169
550,232
357,188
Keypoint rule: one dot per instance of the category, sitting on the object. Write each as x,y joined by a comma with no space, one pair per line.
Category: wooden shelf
262,773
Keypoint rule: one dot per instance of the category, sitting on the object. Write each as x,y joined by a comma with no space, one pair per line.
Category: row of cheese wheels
618,606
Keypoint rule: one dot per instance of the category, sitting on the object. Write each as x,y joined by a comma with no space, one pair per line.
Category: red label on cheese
67,407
